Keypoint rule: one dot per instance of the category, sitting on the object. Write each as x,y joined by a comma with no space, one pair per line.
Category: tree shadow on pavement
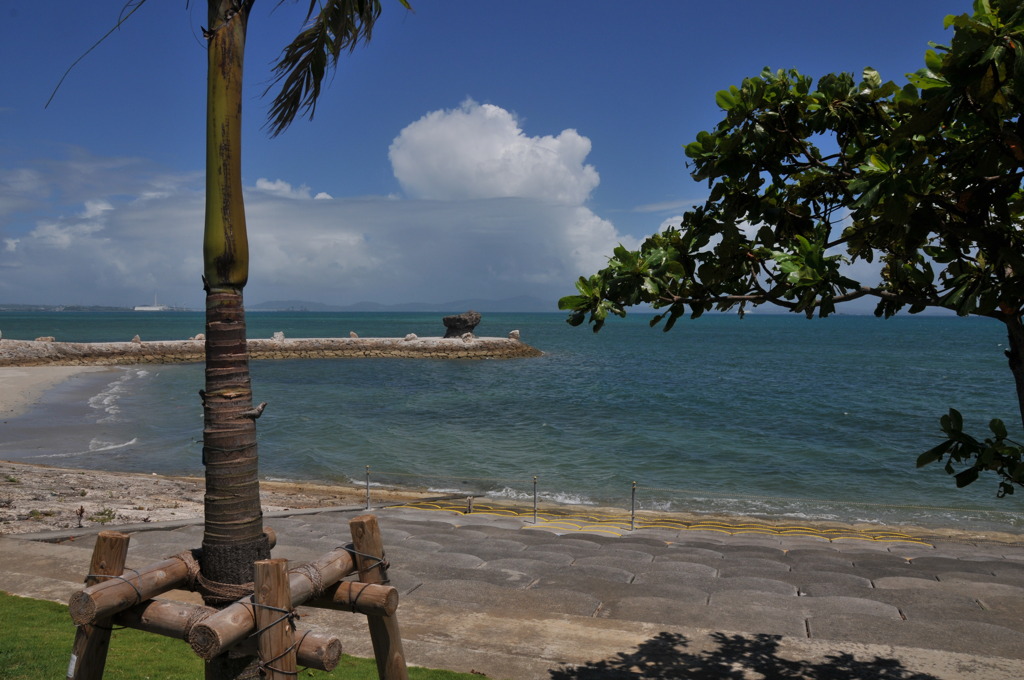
733,657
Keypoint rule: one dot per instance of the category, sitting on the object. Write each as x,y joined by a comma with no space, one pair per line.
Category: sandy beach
22,386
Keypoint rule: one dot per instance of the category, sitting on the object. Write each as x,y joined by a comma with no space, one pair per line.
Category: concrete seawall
50,353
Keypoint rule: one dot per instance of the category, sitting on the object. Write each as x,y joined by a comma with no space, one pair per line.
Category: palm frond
129,9
332,26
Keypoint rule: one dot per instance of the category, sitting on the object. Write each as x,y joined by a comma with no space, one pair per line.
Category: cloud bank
488,212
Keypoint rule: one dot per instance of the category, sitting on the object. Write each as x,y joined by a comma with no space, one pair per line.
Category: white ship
153,307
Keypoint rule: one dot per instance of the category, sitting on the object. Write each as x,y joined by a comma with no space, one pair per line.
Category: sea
769,415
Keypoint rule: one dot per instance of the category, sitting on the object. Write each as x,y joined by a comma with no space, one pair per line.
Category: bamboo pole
275,639
229,626
89,652
319,651
109,597
170,619
384,632
361,598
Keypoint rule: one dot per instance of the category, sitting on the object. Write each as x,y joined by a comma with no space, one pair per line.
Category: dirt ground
36,498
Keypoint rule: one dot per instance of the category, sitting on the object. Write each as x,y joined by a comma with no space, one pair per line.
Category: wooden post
359,598
89,653
320,651
109,597
275,631
221,631
384,632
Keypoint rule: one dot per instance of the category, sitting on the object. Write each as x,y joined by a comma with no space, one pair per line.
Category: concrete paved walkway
498,595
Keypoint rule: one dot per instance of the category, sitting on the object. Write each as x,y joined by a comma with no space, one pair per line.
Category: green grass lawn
36,638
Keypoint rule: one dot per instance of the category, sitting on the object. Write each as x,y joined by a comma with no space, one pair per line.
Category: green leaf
932,60
998,428
725,99
965,477
572,302
871,78
934,454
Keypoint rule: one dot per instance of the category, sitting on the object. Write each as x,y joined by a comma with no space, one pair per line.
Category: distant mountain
513,304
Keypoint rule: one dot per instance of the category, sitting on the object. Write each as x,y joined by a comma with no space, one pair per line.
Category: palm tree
233,537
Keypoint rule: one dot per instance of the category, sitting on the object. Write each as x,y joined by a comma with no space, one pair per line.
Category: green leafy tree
923,178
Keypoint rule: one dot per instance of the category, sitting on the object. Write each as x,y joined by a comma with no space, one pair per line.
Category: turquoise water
769,414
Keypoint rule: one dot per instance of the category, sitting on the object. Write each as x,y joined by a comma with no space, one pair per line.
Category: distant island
522,304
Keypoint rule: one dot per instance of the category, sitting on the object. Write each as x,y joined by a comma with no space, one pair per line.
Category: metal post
535,499
632,510
367,487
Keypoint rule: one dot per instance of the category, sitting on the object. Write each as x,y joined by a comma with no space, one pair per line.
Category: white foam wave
561,498
95,446
108,400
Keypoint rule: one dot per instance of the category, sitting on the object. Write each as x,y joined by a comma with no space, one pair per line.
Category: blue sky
474,149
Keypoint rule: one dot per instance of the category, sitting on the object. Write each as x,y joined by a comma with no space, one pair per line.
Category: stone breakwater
46,352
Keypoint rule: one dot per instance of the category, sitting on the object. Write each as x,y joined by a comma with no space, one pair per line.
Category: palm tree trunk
233,538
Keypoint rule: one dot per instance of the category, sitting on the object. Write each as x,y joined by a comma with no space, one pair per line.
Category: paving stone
548,556
668,570
865,546
752,584
689,554
811,560
773,541
956,586
983,589
782,600
746,618
619,561
1006,569
600,571
486,553
966,637
534,568
417,544
574,546
754,566
834,605
734,552
937,564
1006,603
642,543
978,577
489,597
703,538
805,581
879,561
431,571
944,611
791,543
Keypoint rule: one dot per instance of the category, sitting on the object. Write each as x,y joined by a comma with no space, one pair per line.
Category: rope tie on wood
216,593
192,565
287,615
138,593
355,600
314,577
375,562
213,592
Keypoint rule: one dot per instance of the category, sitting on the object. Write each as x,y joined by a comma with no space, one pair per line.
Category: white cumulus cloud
490,212
480,151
